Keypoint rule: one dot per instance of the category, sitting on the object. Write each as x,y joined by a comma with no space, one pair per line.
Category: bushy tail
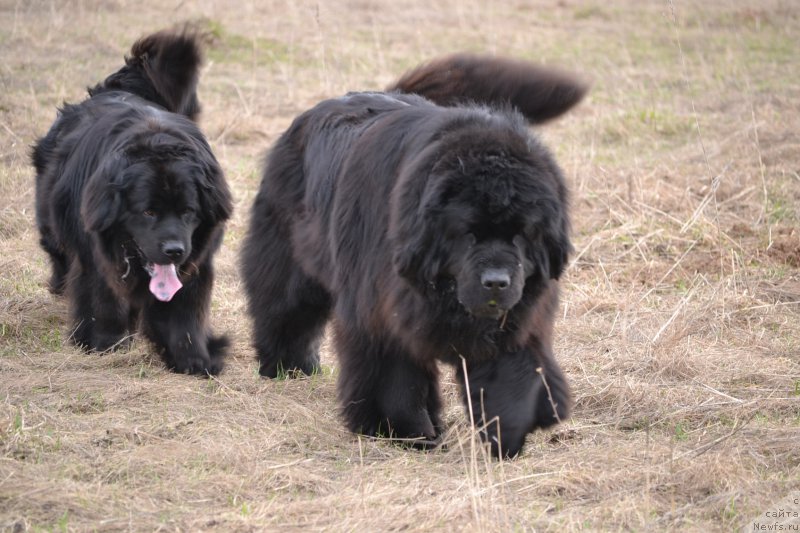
539,93
163,68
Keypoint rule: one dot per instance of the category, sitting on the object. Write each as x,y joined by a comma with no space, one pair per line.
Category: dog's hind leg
58,262
100,317
288,329
289,309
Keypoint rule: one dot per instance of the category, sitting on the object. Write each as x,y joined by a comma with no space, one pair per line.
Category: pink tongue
164,282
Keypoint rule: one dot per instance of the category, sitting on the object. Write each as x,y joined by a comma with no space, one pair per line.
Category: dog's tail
163,68
539,93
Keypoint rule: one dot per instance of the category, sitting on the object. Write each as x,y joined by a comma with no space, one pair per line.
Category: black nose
495,279
173,249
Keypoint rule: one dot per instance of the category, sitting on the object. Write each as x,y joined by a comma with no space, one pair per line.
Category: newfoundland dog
432,226
131,204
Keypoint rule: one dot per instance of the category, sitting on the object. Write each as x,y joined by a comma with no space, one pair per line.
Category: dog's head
163,189
490,217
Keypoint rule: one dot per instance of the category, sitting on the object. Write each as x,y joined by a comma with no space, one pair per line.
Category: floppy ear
558,246
214,195
101,204
414,256
419,252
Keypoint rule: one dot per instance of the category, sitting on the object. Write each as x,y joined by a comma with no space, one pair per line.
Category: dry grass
680,326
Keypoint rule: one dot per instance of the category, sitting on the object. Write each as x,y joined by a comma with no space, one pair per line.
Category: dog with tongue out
131,205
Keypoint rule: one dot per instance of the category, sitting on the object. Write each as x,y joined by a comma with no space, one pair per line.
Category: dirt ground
680,318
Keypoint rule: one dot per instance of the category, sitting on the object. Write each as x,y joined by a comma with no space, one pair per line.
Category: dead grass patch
679,326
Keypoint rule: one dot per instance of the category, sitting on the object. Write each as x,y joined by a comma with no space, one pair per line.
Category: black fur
126,178
430,230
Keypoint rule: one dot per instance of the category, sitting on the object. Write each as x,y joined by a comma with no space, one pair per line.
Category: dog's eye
149,213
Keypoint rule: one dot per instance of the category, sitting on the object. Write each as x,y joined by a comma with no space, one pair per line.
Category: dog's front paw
513,395
109,343
296,367
92,341
554,399
193,364
207,359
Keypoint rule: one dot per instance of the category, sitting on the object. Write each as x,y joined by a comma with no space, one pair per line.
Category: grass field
680,318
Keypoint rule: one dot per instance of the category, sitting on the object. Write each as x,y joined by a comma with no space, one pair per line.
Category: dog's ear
558,250
413,257
420,243
101,204
420,259
216,203
557,244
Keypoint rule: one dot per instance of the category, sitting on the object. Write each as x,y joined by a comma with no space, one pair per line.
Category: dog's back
538,93
163,68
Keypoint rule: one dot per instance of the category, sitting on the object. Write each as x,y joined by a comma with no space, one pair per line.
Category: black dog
131,204
433,230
